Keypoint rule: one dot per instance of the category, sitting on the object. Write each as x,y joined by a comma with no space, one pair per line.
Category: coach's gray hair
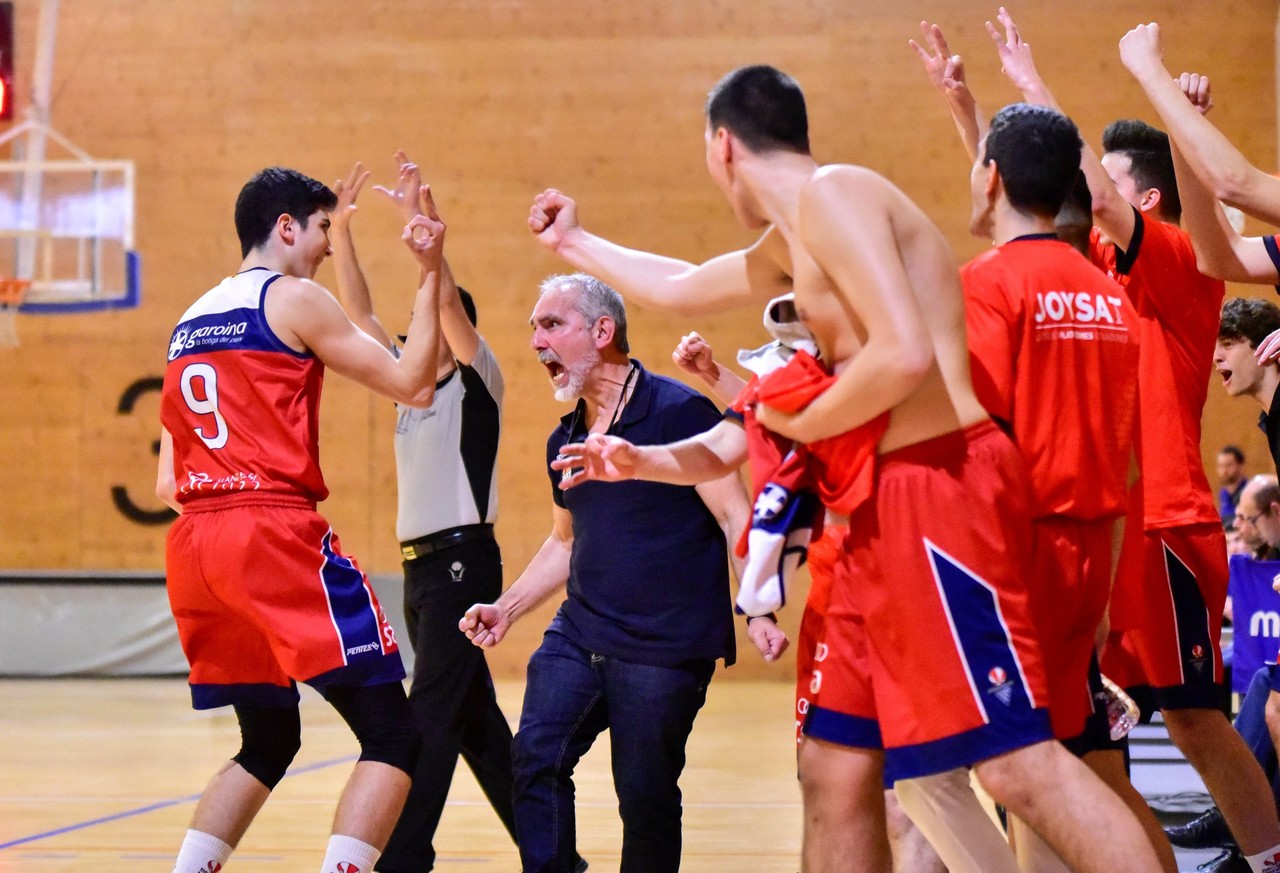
594,299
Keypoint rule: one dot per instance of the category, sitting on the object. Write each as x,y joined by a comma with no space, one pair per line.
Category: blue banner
1256,607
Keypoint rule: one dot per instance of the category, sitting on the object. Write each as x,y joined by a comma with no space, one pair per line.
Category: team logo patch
211,867
178,343
346,867
1198,659
456,570
772,500
1001,687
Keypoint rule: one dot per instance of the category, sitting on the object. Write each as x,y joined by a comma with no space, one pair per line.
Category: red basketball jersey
1178,312
1053,346
240,405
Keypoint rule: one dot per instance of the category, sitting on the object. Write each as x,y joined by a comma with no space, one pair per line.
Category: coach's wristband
769,615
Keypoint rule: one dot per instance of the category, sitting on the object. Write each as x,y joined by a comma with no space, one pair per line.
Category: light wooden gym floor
103,775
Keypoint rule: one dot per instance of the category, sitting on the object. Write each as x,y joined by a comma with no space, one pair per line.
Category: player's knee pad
380,717
269,738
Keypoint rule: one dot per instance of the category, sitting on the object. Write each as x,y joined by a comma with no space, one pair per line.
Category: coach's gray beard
575,376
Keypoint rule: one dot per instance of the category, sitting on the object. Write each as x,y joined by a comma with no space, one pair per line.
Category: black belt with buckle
411,550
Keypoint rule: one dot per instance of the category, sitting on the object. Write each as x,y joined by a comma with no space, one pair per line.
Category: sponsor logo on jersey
1079,308
239,481
367,647
188,336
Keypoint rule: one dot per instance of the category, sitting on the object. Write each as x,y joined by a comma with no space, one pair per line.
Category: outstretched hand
424,234
602,458
347,191
552,217
944,69
485,625
768,638
404,194
1015,55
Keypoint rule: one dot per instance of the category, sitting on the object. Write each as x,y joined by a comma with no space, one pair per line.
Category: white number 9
208,406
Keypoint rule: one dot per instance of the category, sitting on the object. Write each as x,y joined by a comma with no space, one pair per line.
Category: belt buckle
409,553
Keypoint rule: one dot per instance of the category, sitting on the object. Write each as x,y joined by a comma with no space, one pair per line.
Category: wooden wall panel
497,100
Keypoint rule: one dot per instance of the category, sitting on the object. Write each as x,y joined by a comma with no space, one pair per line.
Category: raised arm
710,455
693,355
758,273
353,290
303,313
1220,250
485,624
1111,212
946,74
457,329
1228,174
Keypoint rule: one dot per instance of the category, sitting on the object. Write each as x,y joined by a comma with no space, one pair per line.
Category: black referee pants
452,698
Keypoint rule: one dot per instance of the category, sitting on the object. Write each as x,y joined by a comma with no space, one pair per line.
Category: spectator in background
1257,521
1231,481
1246,323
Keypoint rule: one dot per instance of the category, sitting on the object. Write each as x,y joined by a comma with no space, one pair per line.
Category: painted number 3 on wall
208,405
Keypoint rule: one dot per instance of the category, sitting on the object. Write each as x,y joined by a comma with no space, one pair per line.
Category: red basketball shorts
937,602
264,596
823,557
1069,585
1182,576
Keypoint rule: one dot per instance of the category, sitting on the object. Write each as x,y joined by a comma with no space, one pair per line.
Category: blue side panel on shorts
1200,686
353,614
261,694
842,728
995,678
356,621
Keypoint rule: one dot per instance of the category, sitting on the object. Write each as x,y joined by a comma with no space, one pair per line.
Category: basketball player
876,284
1172,582
262,593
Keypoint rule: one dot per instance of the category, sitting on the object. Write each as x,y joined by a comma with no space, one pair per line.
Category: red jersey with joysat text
1053,345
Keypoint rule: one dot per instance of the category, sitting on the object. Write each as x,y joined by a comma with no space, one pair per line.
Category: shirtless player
877,286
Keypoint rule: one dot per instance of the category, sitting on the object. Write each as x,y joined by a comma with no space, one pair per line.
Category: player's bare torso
944,400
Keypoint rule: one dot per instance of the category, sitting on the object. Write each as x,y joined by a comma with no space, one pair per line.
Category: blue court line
163,804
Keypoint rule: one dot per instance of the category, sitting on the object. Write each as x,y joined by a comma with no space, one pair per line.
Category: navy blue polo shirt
649,576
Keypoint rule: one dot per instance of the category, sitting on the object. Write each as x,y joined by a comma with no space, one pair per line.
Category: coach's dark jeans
452,698
571,696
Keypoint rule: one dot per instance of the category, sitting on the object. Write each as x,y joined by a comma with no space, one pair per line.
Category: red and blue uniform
1053,344
930,603
260,588
1172,582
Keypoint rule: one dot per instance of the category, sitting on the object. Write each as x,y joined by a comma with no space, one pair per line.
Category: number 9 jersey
241,406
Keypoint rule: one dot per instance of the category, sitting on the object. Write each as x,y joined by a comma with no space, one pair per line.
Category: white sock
201,853
1265,862
349,855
